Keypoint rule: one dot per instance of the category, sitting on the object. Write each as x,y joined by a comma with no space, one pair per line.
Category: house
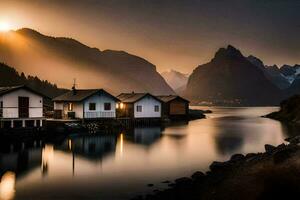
139,105
21,106
174,106
85,104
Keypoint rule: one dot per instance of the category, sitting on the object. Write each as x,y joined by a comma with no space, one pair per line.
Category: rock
198,175
166,181
183,181
237,157
293,140
150,185
281,146
269,148
217,166
250,155
283,154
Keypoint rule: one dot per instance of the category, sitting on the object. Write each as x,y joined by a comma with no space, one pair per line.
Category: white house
20,106
85,104
139,105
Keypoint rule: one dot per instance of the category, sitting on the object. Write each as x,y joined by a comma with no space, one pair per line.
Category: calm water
121,166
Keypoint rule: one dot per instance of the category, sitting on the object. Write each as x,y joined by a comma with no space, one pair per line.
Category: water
120,166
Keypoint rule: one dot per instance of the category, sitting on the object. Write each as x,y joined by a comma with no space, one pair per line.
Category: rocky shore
289,110
270,175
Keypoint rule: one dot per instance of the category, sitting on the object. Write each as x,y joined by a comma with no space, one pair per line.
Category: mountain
230,79
60,60
10,77
295,87
175,79
272,73
290,72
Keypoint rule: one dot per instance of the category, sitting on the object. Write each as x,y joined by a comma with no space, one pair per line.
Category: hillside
59,60
230,79
289,110
10,77
273,73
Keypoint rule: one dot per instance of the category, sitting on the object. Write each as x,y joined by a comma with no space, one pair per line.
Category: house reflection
17,160
91,147
20,161
144,135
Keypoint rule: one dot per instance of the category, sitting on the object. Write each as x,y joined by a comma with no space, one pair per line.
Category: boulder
183,181
198,175
269,148
217,166
283,154
237,157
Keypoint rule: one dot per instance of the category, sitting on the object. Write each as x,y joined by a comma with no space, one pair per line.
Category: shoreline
270,174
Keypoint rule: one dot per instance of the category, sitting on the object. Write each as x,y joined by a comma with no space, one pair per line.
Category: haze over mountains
59,60
228,79
175,79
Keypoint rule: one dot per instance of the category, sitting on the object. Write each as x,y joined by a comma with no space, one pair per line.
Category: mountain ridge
230,79
64,59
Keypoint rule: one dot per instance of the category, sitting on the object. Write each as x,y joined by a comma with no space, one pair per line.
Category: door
23,107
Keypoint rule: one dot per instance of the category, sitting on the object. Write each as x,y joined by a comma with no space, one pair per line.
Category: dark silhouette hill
10,77
230,79
59,60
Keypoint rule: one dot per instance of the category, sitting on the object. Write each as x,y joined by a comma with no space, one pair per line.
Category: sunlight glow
5,27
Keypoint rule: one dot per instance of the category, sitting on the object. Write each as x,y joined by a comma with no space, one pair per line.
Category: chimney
74,88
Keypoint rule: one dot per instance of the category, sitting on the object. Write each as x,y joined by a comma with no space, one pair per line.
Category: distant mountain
272,73
60,60
230,79
290,72
295,87
10,77
175,79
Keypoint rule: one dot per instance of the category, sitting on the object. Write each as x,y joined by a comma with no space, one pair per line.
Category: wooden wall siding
177,108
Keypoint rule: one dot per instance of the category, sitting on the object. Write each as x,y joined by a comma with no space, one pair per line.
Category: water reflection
7,186
117,166
94,147
144,135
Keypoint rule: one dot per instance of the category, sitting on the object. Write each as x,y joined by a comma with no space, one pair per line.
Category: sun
4,26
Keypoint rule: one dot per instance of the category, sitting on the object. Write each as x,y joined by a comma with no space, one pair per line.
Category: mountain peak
229,52
28,31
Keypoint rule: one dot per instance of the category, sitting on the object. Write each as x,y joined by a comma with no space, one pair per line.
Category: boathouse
174,106
139,106
85,104
21,107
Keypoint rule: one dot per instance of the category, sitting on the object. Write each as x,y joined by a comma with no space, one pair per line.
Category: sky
171,34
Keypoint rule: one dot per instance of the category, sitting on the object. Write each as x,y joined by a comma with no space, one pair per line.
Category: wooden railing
93,115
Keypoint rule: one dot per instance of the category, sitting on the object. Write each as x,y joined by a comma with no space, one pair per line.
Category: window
70,106
107,106
156,108
139,109
92,106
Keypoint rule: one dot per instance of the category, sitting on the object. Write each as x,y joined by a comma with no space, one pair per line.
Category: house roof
6,90
134,97
81,95
168,98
